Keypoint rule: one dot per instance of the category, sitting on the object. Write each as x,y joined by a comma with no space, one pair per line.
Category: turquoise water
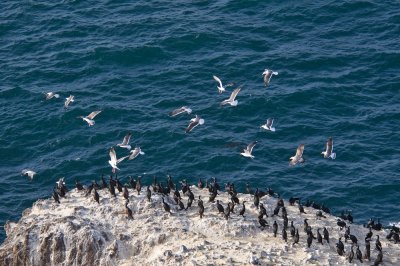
338,65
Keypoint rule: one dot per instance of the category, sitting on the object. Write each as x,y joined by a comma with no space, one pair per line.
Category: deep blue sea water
338,64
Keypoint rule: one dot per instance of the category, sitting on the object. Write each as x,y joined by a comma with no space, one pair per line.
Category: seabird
78,185
181,110
275,228
340,247
243,209
96,196
267,74
319,237
268,125
166,206
60,183
221,88
68,101
55,196
194,122
128,211
125,141
50,95
28,173
298,157
351,255
247,152
292,229
231,99
359,254
296,237
135,153
113,159
328,153
326,235
89,118
148,194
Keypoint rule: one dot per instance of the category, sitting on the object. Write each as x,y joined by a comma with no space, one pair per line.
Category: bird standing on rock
166,206
275,228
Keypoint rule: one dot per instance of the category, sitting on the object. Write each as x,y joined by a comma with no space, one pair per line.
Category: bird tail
141,153
201,121
275,73
57,95
272,129
333,156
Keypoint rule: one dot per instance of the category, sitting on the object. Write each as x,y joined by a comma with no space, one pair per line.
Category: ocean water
338,64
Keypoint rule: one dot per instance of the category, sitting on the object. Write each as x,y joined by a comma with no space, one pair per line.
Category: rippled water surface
338,64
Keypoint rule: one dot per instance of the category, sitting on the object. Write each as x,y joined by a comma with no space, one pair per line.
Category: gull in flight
135,153
68,101
89,118
194,122
267,76
113,160
268,125
298,157
181,110
60,182
328,153
247,152
28,173
231,99
221,88
50,95
125,142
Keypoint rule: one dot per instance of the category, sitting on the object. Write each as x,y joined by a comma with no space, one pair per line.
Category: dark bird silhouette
275,228
263,211
276,211
396,238
296,237
309,240
181,206
139,185
220,207
359,254
305,225
119,185
326,235
103,182
369,234
319,215
189,203
292,200
263,223
301,209
341,224
128,211
148,193
126,193
353,239
200,184
378,244
367,254
228,211
96,196
55,196
243,209
284,234
78,185
319,237
256,199
166,206
111,188
340,247
132,182
347,234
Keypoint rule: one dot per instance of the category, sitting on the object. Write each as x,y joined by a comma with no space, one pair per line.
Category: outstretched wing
234,94
270,121
93,114
299,151
192,125
127,138
113,156
329,146
177,111
251,146
218,80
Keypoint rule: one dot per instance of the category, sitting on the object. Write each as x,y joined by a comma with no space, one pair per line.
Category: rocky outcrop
79,231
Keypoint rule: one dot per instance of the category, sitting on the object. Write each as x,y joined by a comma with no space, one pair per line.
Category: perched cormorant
319,215
213,195
353,239
284,234
126,193
369,234
189,203
201,208
200,184
326,235
367,254
112,189
181,206
148,194
139,185
359,254
378,258
341,224
283,211
263,223
103,182
128,211
319,237
132,182
309,239
263,211
234,199
96,196
171,184
396,238
292,200
301,209
220,207
228,211
296,237
78,185
55,196
378,244
119,185
340,247
305,225
275,228
292,229
243,209
256,199
276,211
285,222
347,234
166,206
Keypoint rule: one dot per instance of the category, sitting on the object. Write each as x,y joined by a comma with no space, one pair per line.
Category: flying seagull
125,142
28,173
60,182
247,152
68,101
267,76
89,118
328,153
194,122
181,110
135,153
50,95
113,159
231,99
221,88
298,157
268,125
